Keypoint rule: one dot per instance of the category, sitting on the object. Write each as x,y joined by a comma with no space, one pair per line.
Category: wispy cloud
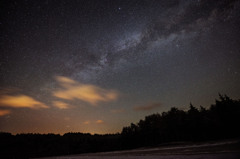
20,101
86,122
4,112
147,107
99,121
61,105
86,92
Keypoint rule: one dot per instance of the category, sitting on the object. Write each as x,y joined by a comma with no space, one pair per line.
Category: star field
96,66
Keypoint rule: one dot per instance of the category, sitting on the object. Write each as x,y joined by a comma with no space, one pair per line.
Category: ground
208,150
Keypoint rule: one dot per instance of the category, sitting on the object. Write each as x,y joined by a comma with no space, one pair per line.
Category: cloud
65,82
147,107
89,122
4,112
86,92
60,105
86,122
99,121
20,101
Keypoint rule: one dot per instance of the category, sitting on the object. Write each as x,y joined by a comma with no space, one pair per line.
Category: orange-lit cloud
4,112
86,92
86,122
99,121
60,105
89,122
147,107
20,101
65,82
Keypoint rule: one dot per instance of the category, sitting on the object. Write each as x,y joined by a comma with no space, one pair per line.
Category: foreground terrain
209,150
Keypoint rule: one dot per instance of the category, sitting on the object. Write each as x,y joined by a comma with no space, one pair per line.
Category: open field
210,150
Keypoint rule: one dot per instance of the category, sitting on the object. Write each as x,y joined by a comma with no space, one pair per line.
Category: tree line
219,121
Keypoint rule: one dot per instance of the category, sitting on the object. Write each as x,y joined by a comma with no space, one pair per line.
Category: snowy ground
212,150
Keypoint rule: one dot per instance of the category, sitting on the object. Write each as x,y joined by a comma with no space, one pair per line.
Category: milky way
96,66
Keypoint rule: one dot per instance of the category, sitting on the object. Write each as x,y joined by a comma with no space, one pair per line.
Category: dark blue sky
96,66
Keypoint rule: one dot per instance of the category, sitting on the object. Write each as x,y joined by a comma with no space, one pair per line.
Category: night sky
96,66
